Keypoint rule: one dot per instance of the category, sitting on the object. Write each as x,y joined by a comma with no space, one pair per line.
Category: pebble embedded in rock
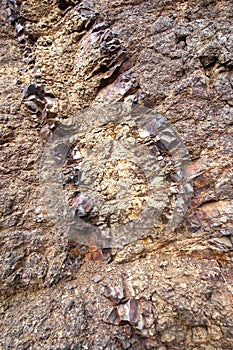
144,133
31,106
76,154
97,278
19,28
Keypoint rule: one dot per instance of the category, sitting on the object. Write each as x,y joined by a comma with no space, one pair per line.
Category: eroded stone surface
179,58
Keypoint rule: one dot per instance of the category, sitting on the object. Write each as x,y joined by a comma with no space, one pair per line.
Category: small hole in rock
63,4
208,61
180,39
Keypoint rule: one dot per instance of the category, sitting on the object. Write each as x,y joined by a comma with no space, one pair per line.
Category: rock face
168,288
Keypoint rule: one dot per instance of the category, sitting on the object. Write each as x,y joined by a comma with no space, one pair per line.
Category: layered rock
168,290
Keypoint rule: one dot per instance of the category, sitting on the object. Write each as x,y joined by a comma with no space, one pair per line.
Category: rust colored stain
203,186
213,209
208,212
75,251
194,169
45,133
225,259
95,254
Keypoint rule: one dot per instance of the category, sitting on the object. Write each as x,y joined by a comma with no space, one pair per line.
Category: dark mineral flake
71,175
193,223
33,89
82,204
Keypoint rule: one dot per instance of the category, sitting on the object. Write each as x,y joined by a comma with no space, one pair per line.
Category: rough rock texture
169,290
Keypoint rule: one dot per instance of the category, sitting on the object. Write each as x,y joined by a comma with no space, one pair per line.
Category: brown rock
174,57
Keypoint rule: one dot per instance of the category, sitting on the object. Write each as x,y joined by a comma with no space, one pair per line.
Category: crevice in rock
182,39
64,4
208,61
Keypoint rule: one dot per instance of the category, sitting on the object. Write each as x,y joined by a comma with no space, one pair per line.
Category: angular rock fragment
71,175
82,204
193,223
45,132
33,89
109,42
19,28
126,313
115,295
223,243
100,27
22,39
87,13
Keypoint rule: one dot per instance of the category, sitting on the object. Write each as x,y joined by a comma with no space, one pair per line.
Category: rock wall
167,289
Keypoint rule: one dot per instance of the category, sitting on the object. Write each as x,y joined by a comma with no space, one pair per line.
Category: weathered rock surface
170,290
